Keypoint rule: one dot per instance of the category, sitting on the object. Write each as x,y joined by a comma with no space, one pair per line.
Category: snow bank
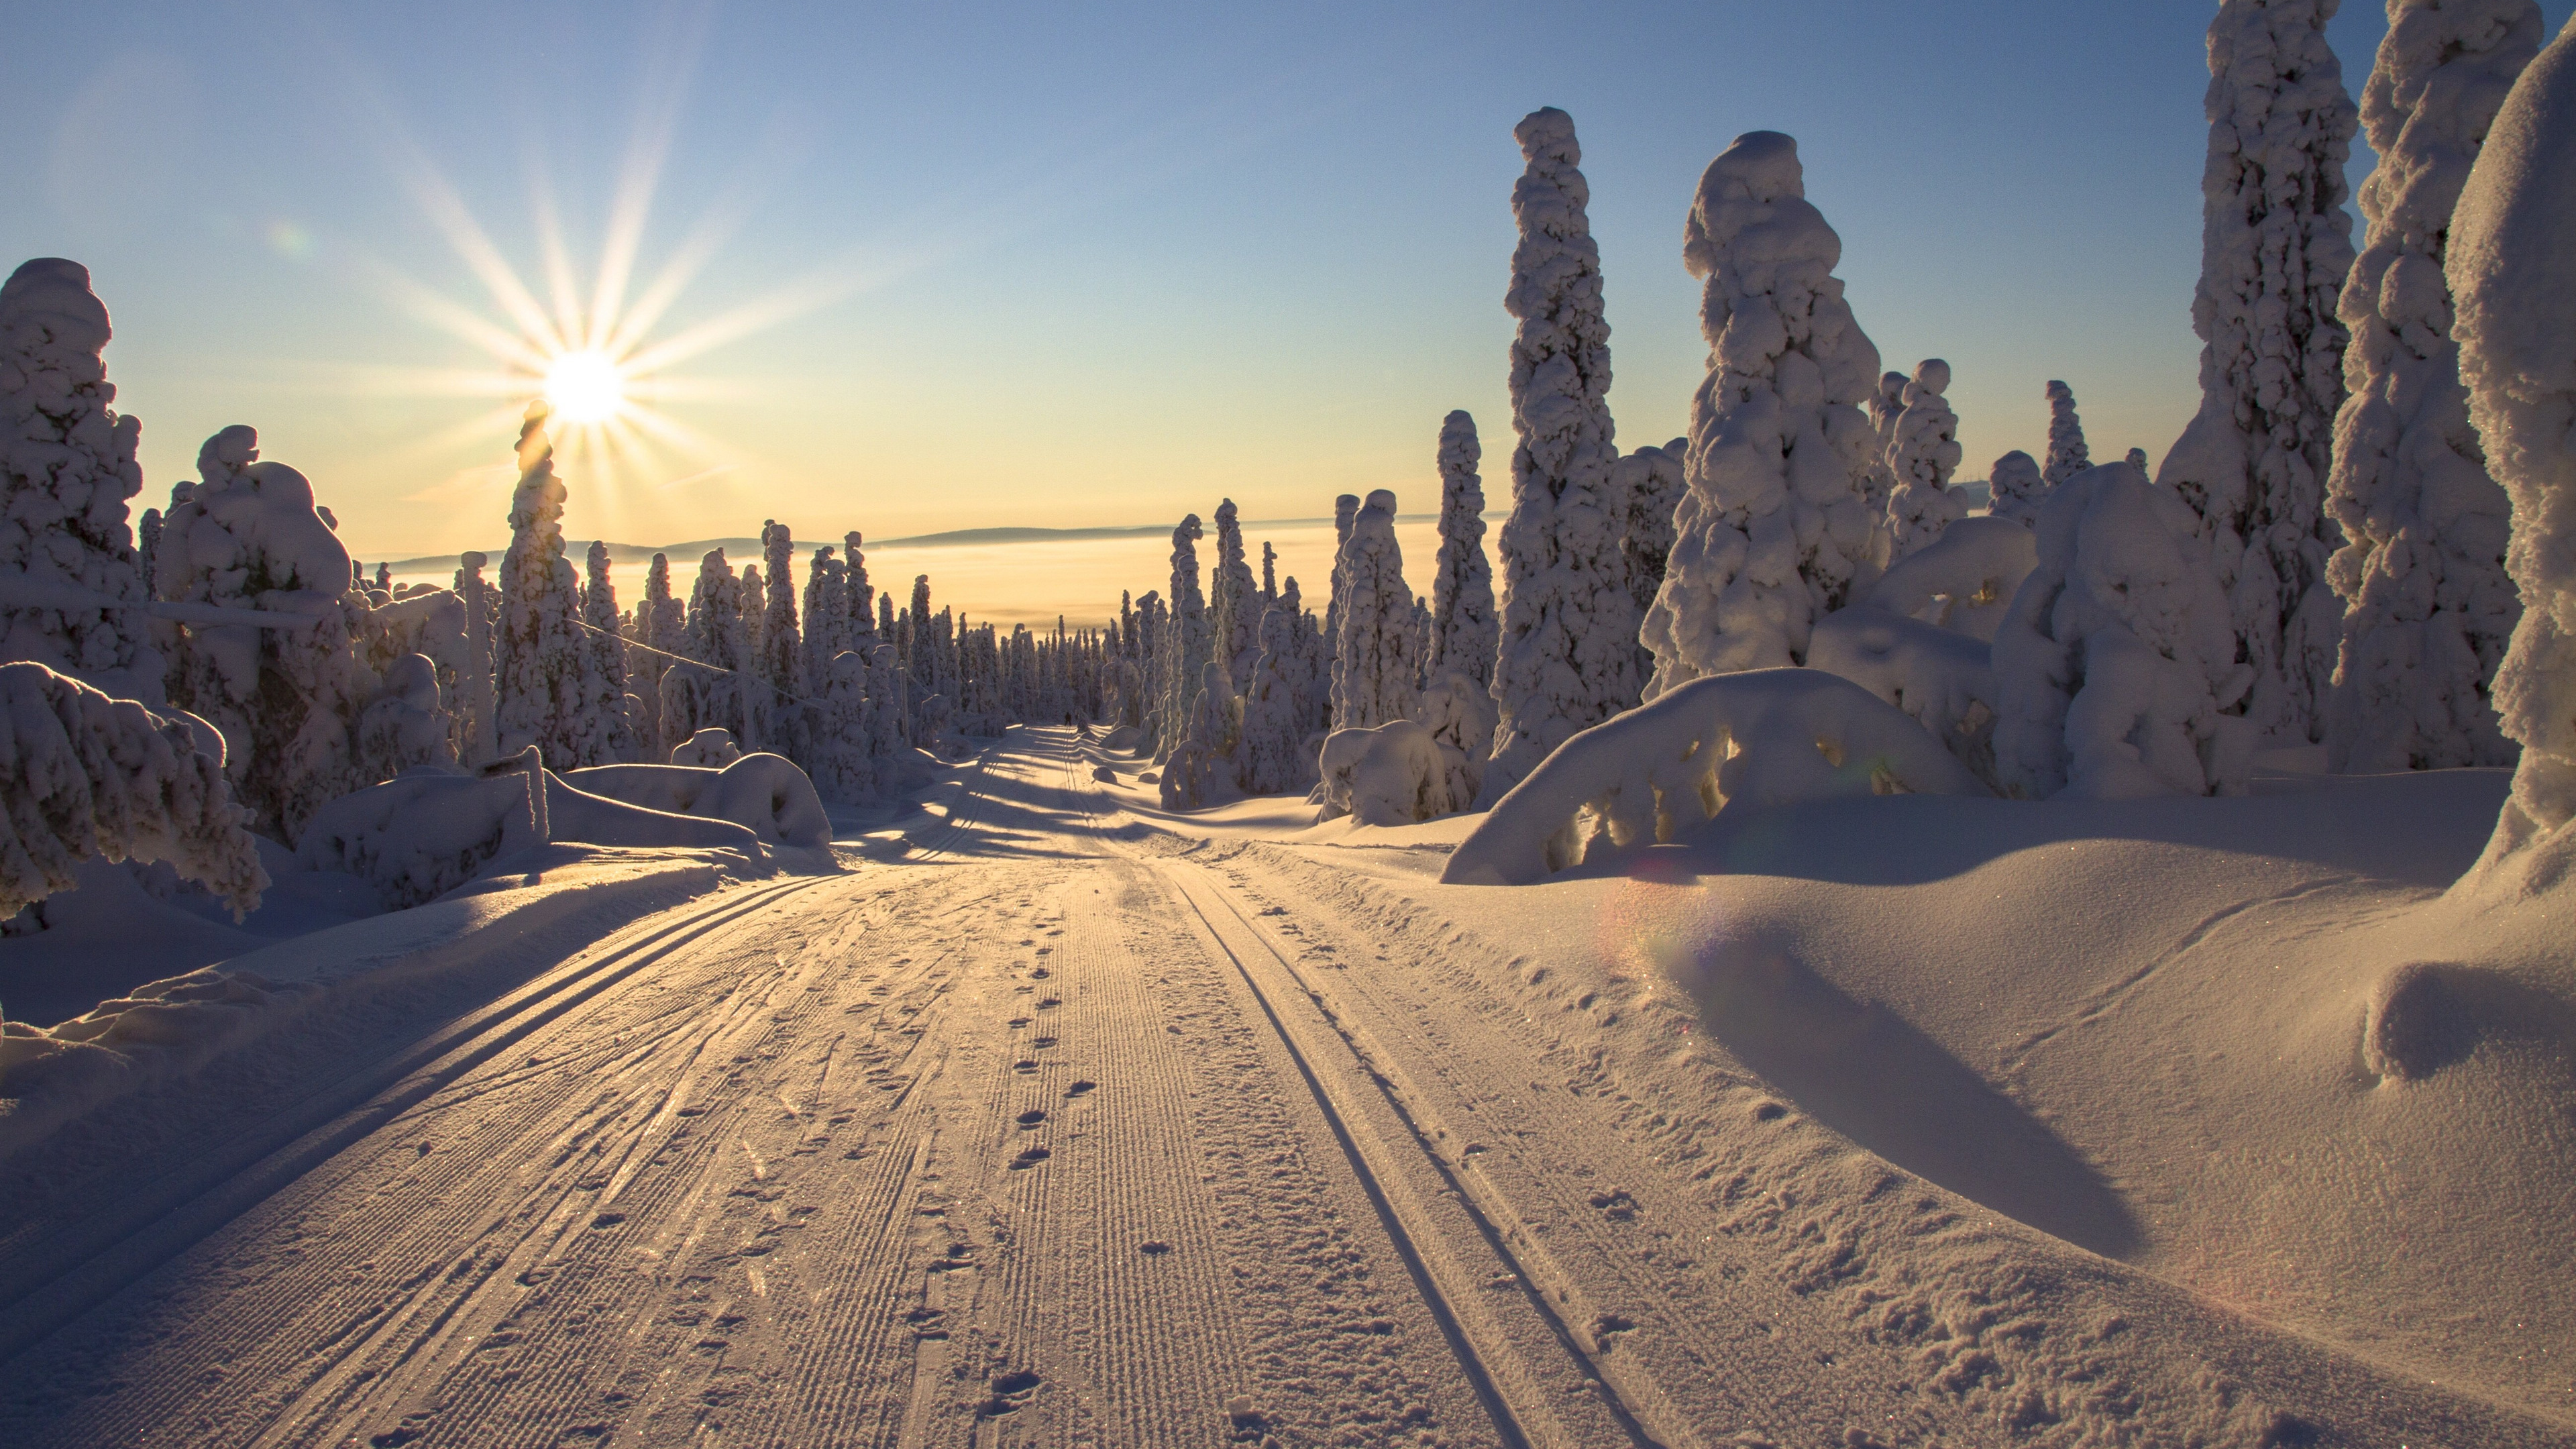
1394,774
424,833
51,1075
2116,661
1767,736
1776,526
2512,269
764,792
84,775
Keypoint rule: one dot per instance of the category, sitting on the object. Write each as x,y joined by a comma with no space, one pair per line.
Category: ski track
1062,1130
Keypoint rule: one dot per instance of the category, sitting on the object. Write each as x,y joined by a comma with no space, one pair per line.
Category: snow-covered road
1062,1130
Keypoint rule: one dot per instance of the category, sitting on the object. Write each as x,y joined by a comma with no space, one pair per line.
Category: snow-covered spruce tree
543,681
2113,666
1923,456
1269,575
694,699
1346,507
286,699
607,645
1567,658
782,648
1185,643
474,704
1271,758
826,622
1463,628
1650,479
1235,609
1775,527
1885,405
2016,487
862,597
2067,455
2511,266
87,775
1376,659
843,754
1202,769
2275,245
66,470
2427,604
660,631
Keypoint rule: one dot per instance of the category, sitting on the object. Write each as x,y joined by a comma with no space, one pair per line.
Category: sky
960,265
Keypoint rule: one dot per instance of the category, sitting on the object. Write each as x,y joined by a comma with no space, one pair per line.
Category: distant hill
739,549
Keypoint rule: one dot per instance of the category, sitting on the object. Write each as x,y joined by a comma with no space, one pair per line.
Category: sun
585,386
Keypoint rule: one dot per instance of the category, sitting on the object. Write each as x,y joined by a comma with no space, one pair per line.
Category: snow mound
2117,658
707,749
763,792
1765,737
1962,580
84,775
53,1074
1394,774
424,833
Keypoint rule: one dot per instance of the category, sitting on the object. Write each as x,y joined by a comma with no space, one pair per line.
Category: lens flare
585,387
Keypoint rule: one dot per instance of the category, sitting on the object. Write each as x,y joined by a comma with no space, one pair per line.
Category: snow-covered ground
1062,1119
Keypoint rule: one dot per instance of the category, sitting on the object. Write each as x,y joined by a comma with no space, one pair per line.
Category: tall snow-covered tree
607,646
1272,757
2428,607
543,676
782,647
661,630
1186,644
1236,610
1346,507
248,537
1650,479
827,613
2276,244
1376,659
861,596
2067,454
476,705
1921,458
714,697
1566,659
1775,527
1269,575
2511,266
1458,662
66,470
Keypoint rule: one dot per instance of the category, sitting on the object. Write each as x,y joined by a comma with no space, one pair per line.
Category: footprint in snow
1030,1158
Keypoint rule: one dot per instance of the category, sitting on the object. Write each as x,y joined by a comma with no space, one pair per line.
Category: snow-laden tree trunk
83,775
1376,660
2067,454
66,470
1921,457
2276,243
1567,657
2427,605
1776,527
287,700
2512,273
542,673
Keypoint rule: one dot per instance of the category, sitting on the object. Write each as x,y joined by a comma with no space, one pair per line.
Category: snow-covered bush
247,537
2512,271
764,792
1942,678
544,684
2275,245
1567,656
2067,453
404,725
1201,769
83,775
1921,457
1760,737
2428,607
2014,487
430,622
420,835
1393,774
711,749
1776,528
1965,581
66,470
1377,659
2116,664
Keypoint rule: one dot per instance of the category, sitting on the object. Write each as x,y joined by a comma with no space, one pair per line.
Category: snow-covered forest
2082,950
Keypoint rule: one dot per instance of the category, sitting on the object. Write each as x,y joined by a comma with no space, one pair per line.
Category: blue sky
1060,265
